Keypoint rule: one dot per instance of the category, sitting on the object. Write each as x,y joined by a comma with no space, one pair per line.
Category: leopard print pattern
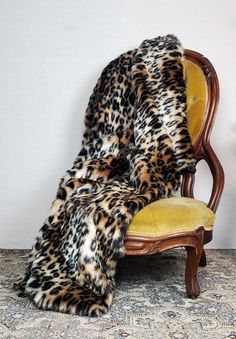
135,147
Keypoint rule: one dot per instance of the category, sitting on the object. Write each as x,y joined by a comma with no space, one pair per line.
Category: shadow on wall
33,209
75,126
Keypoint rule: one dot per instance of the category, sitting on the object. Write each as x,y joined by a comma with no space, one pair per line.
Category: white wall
51,53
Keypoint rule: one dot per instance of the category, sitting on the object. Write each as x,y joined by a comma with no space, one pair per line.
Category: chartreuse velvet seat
183,221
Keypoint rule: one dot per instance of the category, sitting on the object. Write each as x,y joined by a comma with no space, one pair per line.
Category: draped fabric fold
134,149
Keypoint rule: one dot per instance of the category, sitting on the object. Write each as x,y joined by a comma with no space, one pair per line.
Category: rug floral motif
150,302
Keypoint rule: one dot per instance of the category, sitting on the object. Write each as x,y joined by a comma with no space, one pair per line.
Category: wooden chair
184,221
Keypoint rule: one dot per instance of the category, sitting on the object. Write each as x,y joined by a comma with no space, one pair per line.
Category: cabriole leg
202,262
193,259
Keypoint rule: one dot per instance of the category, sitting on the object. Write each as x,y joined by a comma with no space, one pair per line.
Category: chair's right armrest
187,189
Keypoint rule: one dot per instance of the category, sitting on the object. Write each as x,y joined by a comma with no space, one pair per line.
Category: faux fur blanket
135,146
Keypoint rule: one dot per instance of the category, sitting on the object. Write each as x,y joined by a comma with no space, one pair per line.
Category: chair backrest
202,88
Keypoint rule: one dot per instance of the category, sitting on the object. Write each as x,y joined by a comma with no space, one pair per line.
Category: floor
150,302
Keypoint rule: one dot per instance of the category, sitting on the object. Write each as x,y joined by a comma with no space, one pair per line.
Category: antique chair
183,221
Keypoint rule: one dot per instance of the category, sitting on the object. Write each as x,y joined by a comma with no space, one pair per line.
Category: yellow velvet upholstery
170,215
175,214
196,91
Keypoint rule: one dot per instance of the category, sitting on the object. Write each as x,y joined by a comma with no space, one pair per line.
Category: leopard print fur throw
134,149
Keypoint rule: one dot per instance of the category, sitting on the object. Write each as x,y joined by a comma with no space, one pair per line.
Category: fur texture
135,145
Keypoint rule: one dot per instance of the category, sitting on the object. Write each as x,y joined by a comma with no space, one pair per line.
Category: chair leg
203,262
193,259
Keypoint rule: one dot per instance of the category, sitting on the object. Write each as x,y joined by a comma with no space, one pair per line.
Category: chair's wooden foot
193,259
203,262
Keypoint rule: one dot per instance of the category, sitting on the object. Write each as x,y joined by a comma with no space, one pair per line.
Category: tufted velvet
196,97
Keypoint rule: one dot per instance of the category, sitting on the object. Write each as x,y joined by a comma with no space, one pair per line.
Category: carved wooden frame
193,241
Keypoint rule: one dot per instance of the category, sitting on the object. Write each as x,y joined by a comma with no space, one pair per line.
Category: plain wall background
52,52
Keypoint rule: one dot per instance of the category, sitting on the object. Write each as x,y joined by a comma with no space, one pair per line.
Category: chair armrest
217,172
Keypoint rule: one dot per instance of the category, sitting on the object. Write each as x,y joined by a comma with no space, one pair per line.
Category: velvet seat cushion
170,215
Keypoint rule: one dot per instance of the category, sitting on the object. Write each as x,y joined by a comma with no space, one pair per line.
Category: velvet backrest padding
196,90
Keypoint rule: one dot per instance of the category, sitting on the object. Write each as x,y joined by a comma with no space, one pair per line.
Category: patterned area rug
150,302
